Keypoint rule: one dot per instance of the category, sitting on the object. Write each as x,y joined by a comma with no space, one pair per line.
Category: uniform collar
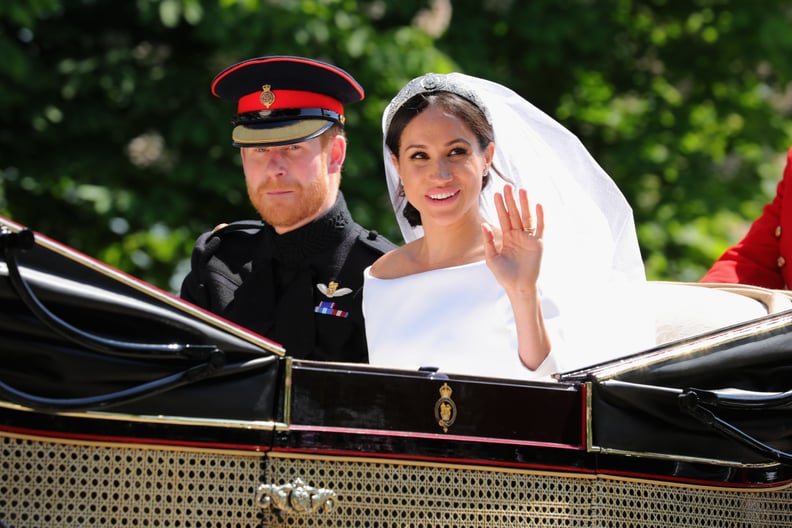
327,231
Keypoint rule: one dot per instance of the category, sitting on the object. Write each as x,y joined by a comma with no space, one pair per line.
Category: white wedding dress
457,319
460,320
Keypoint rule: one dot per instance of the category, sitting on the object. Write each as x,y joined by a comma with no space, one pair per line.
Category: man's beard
312,198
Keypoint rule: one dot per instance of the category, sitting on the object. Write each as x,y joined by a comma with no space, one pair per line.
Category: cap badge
267,98
332,289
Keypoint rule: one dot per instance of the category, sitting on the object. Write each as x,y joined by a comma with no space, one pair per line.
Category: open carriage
121,405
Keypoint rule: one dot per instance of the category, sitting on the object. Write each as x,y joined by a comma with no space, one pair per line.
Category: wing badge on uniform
332,290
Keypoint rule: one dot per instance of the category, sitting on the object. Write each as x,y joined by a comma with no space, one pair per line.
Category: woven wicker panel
380,495
395,495
638,504
45,484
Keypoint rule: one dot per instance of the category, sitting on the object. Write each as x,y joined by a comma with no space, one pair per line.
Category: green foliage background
112,143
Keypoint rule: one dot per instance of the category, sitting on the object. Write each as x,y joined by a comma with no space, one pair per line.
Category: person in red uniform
760,258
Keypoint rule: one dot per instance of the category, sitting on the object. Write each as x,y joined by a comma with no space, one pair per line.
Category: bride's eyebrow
448,144
414,146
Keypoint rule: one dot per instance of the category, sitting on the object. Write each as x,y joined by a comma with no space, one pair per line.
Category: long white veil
592,266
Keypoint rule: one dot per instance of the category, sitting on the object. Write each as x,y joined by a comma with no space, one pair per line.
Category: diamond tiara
434,82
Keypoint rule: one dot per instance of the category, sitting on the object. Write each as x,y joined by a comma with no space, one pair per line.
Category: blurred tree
112,143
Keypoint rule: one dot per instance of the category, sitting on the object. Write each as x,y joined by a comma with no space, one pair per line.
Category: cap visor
285,133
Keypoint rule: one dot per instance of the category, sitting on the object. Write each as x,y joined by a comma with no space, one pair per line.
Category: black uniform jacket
302,289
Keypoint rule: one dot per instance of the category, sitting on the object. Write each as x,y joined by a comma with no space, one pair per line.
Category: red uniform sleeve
755,259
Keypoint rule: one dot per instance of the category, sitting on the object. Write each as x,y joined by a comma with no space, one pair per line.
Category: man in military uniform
296,277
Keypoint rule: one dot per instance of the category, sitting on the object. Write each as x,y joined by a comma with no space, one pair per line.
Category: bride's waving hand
515,262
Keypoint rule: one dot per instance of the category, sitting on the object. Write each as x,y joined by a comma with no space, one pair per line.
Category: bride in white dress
491,283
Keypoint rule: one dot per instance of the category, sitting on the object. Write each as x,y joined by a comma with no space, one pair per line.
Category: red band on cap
289,99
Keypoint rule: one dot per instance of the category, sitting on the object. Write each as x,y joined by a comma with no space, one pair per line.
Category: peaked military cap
283,100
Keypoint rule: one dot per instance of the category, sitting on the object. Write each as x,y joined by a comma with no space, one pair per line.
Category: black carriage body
231,432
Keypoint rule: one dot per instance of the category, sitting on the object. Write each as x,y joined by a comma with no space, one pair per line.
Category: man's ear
336,153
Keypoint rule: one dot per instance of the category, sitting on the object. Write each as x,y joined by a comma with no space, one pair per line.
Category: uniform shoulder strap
240,225
209,243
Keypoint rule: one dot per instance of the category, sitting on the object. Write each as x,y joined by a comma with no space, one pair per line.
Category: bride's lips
443,196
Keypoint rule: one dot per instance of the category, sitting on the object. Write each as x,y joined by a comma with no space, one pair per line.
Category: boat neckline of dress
436,270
